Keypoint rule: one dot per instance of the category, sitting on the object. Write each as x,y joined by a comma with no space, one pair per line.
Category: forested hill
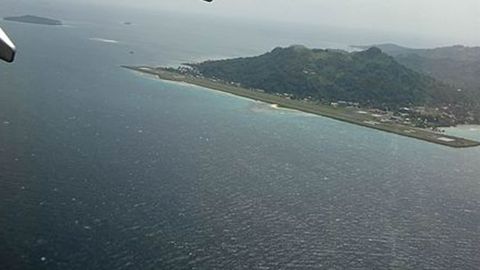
370,77
458,65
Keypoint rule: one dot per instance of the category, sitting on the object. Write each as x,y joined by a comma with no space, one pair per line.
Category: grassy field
350,115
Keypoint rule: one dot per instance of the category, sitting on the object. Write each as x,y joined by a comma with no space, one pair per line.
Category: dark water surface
101,168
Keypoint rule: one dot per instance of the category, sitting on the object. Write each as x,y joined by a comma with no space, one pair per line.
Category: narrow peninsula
34,20
365,88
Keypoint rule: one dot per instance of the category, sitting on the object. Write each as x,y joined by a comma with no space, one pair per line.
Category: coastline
341,114
464,131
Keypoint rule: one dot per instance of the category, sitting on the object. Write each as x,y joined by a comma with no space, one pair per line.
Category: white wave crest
104,40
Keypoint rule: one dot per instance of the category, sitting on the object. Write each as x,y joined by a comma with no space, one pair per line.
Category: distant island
34,20
368,88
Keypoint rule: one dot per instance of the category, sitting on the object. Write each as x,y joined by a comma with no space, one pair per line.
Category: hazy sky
456,21
453,19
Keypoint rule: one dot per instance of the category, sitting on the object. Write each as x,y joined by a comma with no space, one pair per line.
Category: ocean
103,168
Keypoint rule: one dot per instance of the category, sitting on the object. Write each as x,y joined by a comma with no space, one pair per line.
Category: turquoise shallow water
466,131
101,168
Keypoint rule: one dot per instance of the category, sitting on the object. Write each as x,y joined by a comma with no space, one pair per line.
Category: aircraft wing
7,48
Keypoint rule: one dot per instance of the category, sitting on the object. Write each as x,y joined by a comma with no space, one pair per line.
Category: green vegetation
456,65
369,77
347,114
34,20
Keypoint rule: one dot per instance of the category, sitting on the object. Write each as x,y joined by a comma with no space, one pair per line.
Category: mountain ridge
457,65
369,77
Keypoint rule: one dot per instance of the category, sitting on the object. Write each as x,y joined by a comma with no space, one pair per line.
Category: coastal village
414,116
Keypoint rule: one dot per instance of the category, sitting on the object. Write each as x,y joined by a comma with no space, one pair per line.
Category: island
34,20
367,88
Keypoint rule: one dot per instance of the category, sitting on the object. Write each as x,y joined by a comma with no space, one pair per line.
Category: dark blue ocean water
102,168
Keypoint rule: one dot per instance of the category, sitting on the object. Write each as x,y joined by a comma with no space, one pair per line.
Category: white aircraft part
7,48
